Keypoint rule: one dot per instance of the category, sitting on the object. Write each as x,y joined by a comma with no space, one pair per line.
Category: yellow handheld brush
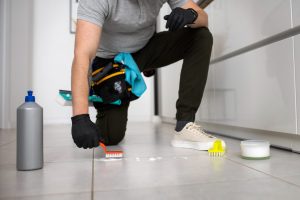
217,150
111,154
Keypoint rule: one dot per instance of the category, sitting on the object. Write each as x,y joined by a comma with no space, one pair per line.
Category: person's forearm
80,87
201,21
87,40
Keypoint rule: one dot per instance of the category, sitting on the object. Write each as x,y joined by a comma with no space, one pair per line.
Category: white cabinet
239,23
297,66
296,12
256,89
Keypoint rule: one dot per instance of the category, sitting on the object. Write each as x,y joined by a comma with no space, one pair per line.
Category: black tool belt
108,82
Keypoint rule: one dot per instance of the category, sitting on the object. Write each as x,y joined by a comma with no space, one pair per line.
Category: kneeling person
107,28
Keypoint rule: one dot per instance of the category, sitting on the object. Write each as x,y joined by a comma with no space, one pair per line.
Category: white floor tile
292,179
163,171
281,163
7,136
151,169
52,179
51,154
73,196
259,189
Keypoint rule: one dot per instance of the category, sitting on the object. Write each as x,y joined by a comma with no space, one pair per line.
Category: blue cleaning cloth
132,74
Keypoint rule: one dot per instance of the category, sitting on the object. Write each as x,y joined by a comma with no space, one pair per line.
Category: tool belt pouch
109,83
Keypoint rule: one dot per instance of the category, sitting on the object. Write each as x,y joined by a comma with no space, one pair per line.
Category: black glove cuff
194,13
80,117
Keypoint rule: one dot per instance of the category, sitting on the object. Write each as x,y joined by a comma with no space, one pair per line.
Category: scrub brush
217,150
111,154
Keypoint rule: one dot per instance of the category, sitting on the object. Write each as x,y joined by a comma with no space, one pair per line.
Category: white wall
255,89
3,35
296,22
18,67
52,57
41,56
297,71
296,12
239,23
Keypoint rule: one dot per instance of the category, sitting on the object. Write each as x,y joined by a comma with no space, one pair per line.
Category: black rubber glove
180,17
84,132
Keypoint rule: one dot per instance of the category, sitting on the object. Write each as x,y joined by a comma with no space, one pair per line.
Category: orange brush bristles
111,154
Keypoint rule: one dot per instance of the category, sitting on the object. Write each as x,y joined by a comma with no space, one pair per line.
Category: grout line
275,177
2,145
181,185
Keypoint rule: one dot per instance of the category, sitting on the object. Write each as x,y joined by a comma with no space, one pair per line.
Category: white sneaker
193,136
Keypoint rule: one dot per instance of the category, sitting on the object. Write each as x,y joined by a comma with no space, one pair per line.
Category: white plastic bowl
255,149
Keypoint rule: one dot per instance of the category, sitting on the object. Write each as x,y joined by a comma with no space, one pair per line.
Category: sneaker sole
192,145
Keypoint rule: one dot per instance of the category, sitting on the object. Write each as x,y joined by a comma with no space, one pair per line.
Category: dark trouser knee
112,124
201,47
116,136
203,37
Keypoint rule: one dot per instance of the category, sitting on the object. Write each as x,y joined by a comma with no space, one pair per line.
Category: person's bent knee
204,35
115,137
112,124
117,123
113,134
204,32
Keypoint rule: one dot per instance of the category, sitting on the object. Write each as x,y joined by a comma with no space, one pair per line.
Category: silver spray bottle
29,135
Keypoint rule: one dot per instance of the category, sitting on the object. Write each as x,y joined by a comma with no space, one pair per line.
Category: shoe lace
198,129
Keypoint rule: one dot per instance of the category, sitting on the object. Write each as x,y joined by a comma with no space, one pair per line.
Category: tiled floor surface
151,169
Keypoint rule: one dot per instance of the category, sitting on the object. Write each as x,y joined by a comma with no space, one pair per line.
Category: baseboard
277,139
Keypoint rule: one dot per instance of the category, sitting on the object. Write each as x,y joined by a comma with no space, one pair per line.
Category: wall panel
256,89
297,66
239,23
296,12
